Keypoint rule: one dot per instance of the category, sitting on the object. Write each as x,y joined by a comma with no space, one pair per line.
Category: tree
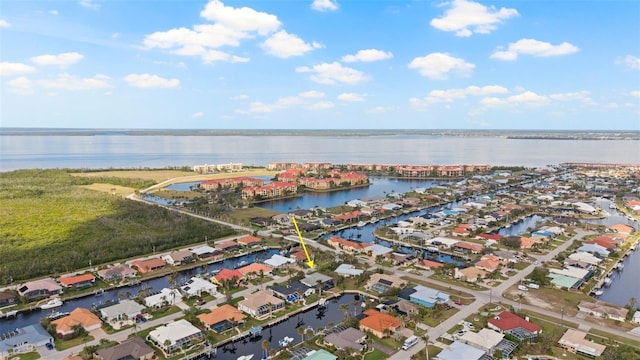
265,348
345,310
633,302
301,332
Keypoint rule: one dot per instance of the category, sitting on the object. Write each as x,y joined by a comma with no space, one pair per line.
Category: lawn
243,216
375,355
67,344
25,356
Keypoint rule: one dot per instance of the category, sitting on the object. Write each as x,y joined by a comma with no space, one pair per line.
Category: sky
320,64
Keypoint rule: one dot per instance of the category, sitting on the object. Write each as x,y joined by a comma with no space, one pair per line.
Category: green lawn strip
448,279
375,355
542,317
244,216
596,335
26,356
67,344
454,293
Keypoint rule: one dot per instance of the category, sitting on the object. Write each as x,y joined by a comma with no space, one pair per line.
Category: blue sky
320,64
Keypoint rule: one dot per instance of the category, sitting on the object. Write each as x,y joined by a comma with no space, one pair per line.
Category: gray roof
311,280
458,350
134,347
348,269
32,334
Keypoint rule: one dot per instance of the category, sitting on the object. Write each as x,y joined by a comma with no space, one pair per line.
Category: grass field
110,189
243,216
174,175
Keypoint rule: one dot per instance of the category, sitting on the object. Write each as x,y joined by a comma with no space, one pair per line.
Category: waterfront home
228,245
175,335
470,274
222,318
380,324
39,288
347,245
426,296
23,340
467,248
145,266
428,264
595,249
125,309
282,219
621,228
254,270
346,339
487,340
293,291
65,326
313,279
321,354
606,241
348,270
78,281
233,182
489,263
575,341
485,236
133,348
382,283
204,252
260,304
165,297
249,241
271,190
404,307
442,242
300,256
278,261
459,350
7,298
510,323
376,250
505,255
347,218
234,276
117,272
402,259
197,286
603,310
180,257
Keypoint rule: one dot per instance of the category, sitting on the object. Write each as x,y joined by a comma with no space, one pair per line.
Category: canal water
112,296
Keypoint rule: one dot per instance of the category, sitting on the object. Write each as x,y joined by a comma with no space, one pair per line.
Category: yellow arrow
309,261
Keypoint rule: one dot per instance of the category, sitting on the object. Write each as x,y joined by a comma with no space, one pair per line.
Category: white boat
612,206
286,341
57,315
246,357
55,302
361,224
620,266
607,281
598,292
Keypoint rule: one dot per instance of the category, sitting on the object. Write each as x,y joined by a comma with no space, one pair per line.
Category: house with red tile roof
621,228
145,266
222,318
79,316
466,247
347,245
347,217
428,264
249,240
226,274
606,241
486,236
254,269
228,245
527,242
300,255
507,322
490,263
380,324
460,231
77,281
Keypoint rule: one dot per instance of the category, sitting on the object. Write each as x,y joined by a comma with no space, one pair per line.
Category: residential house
215,184
506,255
621,228
348,270
347,339
402,259
442,242
78,281
23,340
313,279
489,263
7,298
321,354
79,316
228,245
300,256
382,283
197,286
260,304
348,218
608,242
204,252
428,264
39,288
228,275
293,291
510,323
117,272
470,274
603,310
427,297
222,318
166,297
125,309
249,241
376,250
175,335
485,339
180,257
254,270
133,348
145,266
347,245
575,341
458,351
278,261
404,307
467,247
380,324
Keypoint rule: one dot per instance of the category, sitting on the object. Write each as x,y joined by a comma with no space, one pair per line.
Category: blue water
522,226
184,186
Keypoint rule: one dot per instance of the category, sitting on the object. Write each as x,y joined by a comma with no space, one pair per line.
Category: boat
598,292
99,292
607,281
620,266
246,357
57,315
361,224
215,272
53,303
286,341
241,264
612,206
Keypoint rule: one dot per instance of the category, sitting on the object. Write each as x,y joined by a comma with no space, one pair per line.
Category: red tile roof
429,263
148,265
378,321
73,280
249,239
470,246
491,236
226,274
506,321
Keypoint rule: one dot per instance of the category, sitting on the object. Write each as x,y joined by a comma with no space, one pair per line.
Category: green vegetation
51,224
26,356
375,355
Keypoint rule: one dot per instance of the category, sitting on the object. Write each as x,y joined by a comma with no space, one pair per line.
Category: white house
126,309
175,335
164,297
196,286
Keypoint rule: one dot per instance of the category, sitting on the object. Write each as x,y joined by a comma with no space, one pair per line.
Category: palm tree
345,310
265,348
632,302
301,332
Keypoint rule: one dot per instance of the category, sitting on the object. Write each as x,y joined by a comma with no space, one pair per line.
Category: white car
522,288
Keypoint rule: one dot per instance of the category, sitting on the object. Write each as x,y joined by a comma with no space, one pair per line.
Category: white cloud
351,97
150,81
285,45
635,93
256,107
527,97
311,94
217,55
53,12
379,109
305,100
21,85
324,5
239,97
198,114
582,96
368,55
438,65
534,48
72,82
115,35
333,73
321,105
4,24
437,96
89,4
10,69
467,17
242,19
63,59
630,61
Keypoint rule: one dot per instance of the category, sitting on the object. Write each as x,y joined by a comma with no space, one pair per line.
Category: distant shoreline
509,134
